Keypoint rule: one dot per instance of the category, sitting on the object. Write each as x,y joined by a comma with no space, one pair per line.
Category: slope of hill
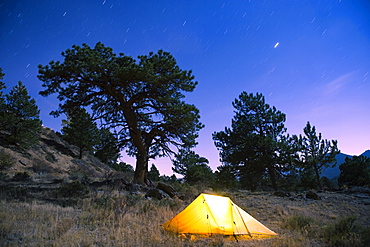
52,159
366,153
334,172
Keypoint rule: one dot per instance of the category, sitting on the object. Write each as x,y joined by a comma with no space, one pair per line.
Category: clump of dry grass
297,222
342,232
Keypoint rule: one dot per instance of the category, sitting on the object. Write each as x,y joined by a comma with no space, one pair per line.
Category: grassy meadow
116,218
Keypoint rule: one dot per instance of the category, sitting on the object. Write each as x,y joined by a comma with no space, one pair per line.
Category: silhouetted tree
307,178
169,179
316,153
328,183
153,173
123,167
2,86
193,167
80,130
254,143
355,171
20,121
106,149
225,177
141,100
2,101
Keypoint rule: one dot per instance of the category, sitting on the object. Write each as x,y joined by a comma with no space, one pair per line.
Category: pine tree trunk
141,169
273,178
317,176
142,144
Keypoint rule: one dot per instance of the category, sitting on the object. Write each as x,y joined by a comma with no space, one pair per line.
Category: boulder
156,193
282,194
312,195
167,189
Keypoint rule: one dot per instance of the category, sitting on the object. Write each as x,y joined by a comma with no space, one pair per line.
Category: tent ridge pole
250,235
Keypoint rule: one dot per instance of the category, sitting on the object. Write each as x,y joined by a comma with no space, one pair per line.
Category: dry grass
130,220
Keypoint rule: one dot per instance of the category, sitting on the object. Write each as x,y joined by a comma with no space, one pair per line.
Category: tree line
114,103
257,150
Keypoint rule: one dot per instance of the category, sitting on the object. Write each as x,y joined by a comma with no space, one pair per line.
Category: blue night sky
311,59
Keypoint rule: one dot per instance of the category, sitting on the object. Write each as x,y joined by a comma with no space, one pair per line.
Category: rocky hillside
52,159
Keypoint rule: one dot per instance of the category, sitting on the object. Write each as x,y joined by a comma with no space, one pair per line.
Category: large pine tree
316,153
192,166
153,174
142,100
107,149
2,101
355,171
2,84
21,123
80,130
253,145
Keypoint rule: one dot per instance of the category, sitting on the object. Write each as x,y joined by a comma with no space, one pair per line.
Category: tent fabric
212,214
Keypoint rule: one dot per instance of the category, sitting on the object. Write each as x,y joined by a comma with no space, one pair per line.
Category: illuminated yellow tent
211,214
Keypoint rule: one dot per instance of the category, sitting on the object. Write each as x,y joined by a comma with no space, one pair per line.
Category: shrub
17,192
21,176
3,176
50,157
185,188
104,202
122,167
345,225
355,171
297,222
41,166
365,233
174,204
343,233
74,189
133,199
6,160
146,206
76,176
329,183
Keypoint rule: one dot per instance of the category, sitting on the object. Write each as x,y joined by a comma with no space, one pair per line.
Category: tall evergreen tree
355,171
254,143
316,153
193,167
107,149
142,100
153,174
80,130
21,123
123,167
2,101
2,84
225,177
